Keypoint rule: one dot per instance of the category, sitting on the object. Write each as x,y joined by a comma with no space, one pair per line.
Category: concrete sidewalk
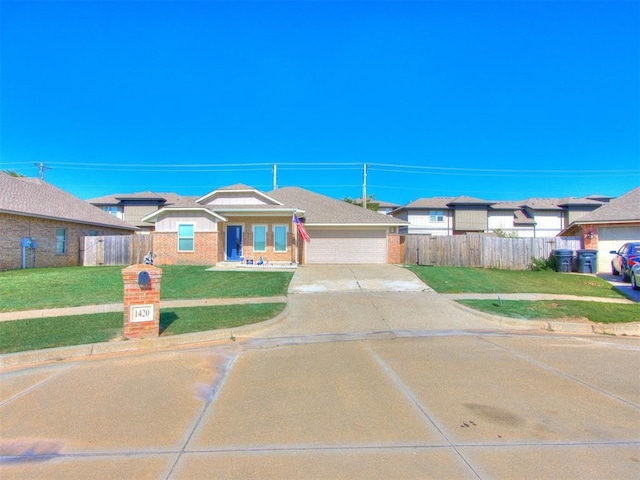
353,385
119,307
365,383
532,297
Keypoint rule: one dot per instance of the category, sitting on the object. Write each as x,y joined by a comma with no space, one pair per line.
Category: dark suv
625,258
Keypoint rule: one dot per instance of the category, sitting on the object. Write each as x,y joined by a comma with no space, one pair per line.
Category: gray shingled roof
117,198
619,210
435,202
36,198
323,210
465,200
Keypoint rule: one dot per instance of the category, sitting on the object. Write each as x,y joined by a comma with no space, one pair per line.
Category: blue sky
498,100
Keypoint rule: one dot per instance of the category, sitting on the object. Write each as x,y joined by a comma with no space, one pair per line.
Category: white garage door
347,246
612,238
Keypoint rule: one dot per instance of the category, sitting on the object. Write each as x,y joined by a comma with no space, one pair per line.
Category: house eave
260,211
152,216
243,190
70,220
360,225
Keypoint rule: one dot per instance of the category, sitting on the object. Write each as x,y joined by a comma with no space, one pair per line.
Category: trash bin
587,261
563,260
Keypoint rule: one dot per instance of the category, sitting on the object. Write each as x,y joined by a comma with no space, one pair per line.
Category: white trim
193,238
240,190
226,237
162,211
401,223
253,230
286,236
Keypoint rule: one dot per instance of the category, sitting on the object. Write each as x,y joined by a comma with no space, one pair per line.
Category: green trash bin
587,261
563,260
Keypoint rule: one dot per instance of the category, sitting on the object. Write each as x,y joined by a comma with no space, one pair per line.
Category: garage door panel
347,246
612,238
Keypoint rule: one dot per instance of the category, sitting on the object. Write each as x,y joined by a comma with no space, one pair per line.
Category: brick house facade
51,250
51,218
242,224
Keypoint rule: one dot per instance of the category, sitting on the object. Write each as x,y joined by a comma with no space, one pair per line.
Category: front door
234,242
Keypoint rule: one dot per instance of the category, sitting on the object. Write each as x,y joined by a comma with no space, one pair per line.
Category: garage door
612,238
347,246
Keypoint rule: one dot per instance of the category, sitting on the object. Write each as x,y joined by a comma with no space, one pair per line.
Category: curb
145,344
631,329
231,334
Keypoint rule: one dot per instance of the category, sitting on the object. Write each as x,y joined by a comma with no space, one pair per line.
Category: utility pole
41,169
364,186
275,176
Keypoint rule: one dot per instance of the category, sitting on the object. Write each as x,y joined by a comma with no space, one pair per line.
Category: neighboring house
387,207
383,207
239,223
40,225
535,217
133,207
609,227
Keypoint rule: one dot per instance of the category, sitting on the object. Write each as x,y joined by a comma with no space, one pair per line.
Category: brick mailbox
141,301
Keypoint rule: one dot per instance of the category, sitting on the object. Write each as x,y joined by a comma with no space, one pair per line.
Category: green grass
74,286
479,280
597,312
38,333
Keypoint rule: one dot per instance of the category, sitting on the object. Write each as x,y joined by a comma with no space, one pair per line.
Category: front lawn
38,333
569,310
479,280
74,286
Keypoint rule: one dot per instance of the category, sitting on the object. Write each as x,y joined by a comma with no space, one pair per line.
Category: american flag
301,230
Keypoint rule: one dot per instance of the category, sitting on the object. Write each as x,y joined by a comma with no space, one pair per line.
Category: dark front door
234,242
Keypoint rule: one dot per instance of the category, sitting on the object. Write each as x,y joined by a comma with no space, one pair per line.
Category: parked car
626,257
635,276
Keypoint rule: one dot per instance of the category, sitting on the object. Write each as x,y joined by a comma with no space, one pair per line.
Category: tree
13,173
504,234
371,202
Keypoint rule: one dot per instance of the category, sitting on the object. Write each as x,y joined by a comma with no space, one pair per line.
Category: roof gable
625,208
237,195
465,200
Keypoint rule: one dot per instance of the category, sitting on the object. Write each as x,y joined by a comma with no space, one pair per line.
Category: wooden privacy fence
114,249
482,251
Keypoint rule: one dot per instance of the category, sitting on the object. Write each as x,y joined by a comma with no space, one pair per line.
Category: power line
41,169
299,166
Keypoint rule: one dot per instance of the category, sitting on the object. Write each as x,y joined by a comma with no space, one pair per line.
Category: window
61,241
185,237
259,238
280,238
113,210
436,216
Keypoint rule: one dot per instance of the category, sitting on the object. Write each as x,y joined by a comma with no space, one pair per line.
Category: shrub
543,264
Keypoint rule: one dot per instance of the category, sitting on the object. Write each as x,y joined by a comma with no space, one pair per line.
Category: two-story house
534,217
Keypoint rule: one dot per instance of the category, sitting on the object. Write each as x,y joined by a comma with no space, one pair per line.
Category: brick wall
394,253
590,242
165,246
270,254
137,295
14,227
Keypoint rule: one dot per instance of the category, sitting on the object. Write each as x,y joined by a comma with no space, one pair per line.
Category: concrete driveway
624,287
349,384
354,278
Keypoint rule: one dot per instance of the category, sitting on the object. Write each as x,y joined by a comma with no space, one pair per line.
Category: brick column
141,301
590,237
394,254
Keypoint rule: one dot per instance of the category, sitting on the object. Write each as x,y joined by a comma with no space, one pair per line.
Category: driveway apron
354,382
